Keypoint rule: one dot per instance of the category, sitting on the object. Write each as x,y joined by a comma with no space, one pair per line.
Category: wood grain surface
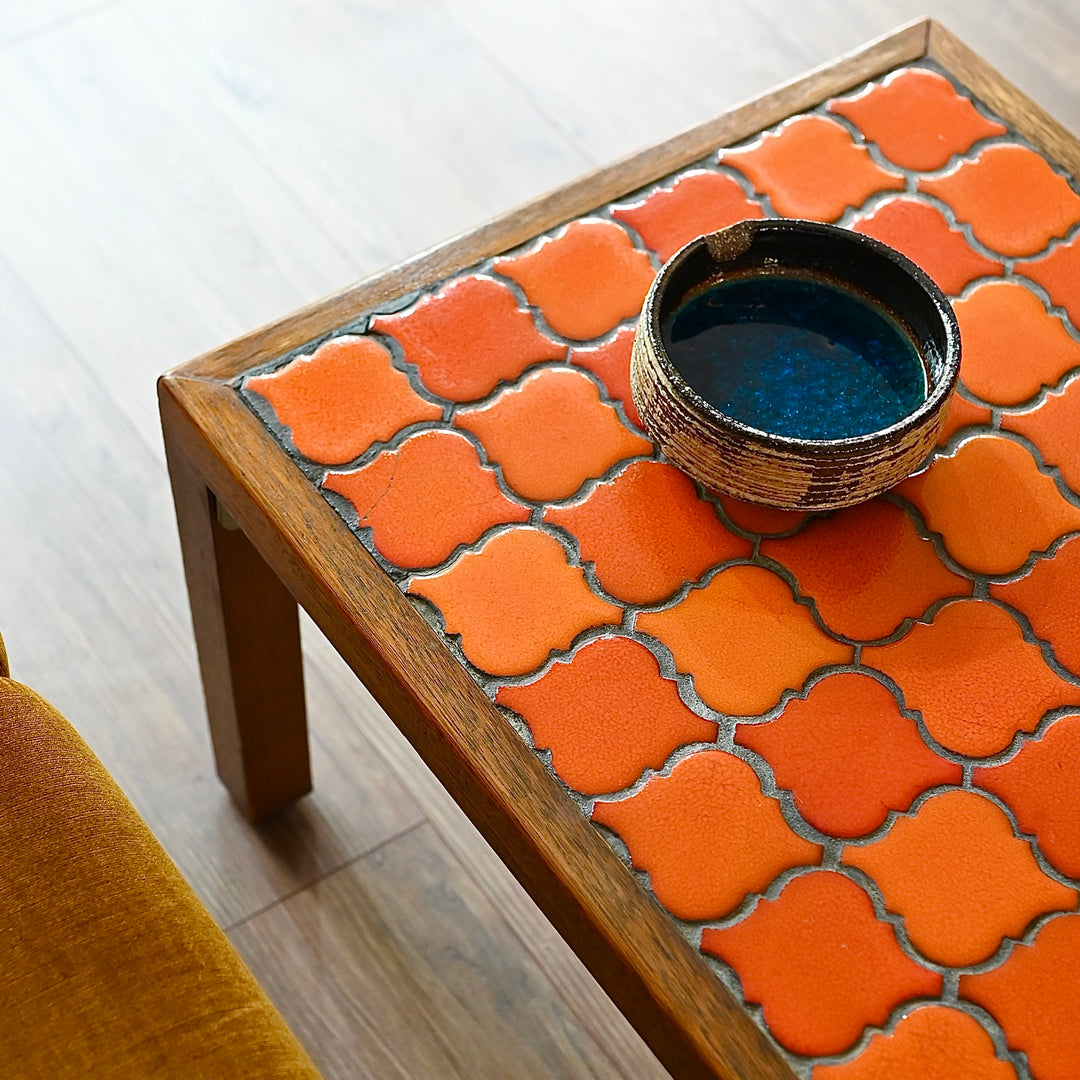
180,173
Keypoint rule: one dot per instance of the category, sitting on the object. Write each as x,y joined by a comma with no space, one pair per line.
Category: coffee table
798,790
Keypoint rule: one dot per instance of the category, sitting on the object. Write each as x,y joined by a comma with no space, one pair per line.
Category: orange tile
917,119
762,520
550,433
848,755
611,363
820,963
425,498
341,398
585,281
944,669
991,505
1050,597
933,1042
696,203
1054,427
1035,997
468,337
514,601
1059,274
1039,785
959,878
744,640
1012,347
606,715
922,233
866,568
811,167
648,533
962,414
1015,203
706,835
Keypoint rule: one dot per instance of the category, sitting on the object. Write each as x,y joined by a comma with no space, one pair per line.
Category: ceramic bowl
731,456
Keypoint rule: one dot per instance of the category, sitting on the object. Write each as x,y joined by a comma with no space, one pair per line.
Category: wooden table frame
248,566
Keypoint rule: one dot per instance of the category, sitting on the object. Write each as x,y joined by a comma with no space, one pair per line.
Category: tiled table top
841,750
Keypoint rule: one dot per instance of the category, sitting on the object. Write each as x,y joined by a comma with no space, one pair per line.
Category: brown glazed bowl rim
841,245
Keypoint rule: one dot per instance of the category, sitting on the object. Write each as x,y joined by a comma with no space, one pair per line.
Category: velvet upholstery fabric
110,967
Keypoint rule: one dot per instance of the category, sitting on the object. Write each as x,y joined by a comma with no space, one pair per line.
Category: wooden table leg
247,631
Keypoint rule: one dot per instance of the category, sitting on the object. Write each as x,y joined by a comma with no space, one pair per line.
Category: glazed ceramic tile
820,963
696,203
426,498
707,835
585,281
841,749
1035,997
607,714
468,337
647,533
743,639
1039,787
848,755
934,1042
959,878
924,235
866,568
1013,200
1012,346
786,166
943,670
550,433
1059,274
342,398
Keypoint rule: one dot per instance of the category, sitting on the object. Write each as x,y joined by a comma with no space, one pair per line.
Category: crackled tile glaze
697,203
1059,274
924,235
943,669
706,835
959,878
606,715
514,600
647,532
1013,201
820,963
934,1042
467,338
846,743
610,363
786,166
1050,598
426,498
1039,786
991,505
551,433
917,119
1012,347
342,398
1035,997
586,281
866,568
743,639
848,755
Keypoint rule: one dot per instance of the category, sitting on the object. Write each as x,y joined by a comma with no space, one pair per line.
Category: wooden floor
176,172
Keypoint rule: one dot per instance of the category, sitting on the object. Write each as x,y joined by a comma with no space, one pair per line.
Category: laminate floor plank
143,226
584,996
419,975
383,117
94,615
